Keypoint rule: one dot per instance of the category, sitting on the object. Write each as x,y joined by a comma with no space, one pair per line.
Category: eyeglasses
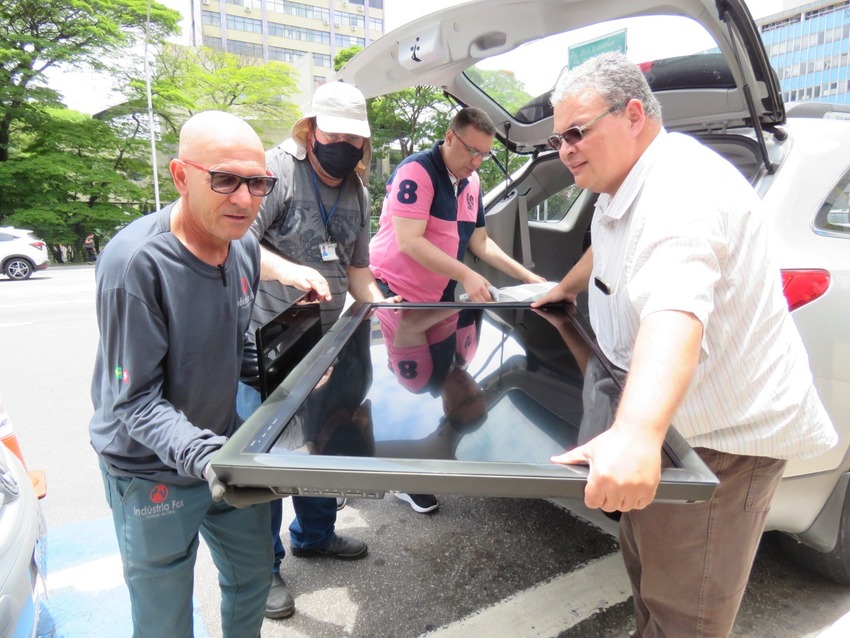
474,152
575,134
227,183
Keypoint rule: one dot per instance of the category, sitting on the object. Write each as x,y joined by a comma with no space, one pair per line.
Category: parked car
21,253
709,70
23,545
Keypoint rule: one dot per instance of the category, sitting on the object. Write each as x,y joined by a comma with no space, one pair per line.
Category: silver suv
713,79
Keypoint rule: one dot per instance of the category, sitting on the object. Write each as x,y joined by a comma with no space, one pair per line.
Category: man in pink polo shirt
433,212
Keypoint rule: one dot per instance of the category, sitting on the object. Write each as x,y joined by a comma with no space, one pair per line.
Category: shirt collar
618,205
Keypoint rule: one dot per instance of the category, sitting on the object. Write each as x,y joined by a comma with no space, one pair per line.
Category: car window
513,79
833,218
555,208
6,237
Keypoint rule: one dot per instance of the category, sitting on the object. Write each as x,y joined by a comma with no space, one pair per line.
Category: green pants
157,525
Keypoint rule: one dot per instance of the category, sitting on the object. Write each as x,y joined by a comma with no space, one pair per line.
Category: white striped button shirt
685,232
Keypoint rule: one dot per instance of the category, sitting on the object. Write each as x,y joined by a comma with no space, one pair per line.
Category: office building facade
808,46
306,34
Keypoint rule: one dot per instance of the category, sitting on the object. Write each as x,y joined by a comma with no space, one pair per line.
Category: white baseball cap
339,108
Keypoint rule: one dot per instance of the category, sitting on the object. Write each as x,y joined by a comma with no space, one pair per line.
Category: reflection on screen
502,384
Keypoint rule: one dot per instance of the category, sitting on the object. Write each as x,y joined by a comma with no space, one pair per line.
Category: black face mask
338,159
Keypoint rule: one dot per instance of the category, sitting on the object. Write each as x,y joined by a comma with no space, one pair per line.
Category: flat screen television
458,398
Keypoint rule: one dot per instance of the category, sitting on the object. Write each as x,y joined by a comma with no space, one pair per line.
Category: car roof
718,81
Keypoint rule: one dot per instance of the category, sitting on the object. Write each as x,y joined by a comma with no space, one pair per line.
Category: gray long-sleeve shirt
170,350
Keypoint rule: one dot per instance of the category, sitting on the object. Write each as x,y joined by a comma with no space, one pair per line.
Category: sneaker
279,603
422,503
342,547
340,502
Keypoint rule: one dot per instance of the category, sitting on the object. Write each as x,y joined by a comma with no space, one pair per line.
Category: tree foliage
188,81
412,118
38,35
65,174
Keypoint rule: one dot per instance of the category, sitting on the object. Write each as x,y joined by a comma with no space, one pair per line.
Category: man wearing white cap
318,217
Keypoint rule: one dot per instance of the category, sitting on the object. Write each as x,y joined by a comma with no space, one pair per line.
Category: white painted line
840,629
549,609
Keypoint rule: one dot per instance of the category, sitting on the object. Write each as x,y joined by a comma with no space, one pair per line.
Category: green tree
412,118
188,81
37,35
73,175
64,174
502,86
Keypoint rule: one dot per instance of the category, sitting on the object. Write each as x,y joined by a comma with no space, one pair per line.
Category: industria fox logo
160,503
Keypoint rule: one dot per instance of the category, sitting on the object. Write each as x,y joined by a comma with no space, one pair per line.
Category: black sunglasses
575,134
227,183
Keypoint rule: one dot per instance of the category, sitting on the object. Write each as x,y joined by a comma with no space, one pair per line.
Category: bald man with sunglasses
174,295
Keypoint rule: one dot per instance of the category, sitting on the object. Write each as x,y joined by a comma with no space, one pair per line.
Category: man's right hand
557,294
477,287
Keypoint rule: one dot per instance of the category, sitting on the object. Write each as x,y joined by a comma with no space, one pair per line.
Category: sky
86,93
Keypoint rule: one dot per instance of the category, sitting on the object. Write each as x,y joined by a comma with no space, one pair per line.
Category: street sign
578,53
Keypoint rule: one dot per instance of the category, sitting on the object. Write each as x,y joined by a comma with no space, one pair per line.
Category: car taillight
38,244
803,286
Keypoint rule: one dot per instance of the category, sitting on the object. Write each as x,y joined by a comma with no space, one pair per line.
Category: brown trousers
689,563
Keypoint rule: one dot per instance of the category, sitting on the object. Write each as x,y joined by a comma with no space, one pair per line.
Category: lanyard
326,216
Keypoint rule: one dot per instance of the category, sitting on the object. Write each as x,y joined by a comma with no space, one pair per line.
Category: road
478,567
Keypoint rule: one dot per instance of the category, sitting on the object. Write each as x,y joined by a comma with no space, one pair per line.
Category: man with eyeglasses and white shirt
174,296
432,213
685,294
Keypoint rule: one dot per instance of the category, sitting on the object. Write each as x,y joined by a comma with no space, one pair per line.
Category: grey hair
613,77
475,117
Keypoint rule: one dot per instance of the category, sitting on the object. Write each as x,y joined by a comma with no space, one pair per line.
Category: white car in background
21,254
708,67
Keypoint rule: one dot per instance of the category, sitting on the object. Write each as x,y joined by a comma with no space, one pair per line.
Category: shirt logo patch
123,374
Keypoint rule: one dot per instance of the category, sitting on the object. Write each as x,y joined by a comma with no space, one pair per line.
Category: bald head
216,132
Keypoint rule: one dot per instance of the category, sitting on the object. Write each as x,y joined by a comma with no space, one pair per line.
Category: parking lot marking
86,594
547,610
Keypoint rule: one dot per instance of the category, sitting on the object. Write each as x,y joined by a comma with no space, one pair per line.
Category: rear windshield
521,80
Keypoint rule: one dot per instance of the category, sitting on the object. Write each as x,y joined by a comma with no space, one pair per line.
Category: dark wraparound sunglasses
227,183
575,134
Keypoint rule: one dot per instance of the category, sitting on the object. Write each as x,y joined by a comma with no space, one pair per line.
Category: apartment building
808,44
306,34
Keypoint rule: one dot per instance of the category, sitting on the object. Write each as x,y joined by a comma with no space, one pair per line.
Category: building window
346,41
319,80
375,4
212,43
322,59
353,20
376,24
211,18
299,33
298,9
247,49
250,25
285,55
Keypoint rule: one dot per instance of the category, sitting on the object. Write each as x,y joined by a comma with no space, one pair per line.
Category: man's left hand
625,469
238,497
